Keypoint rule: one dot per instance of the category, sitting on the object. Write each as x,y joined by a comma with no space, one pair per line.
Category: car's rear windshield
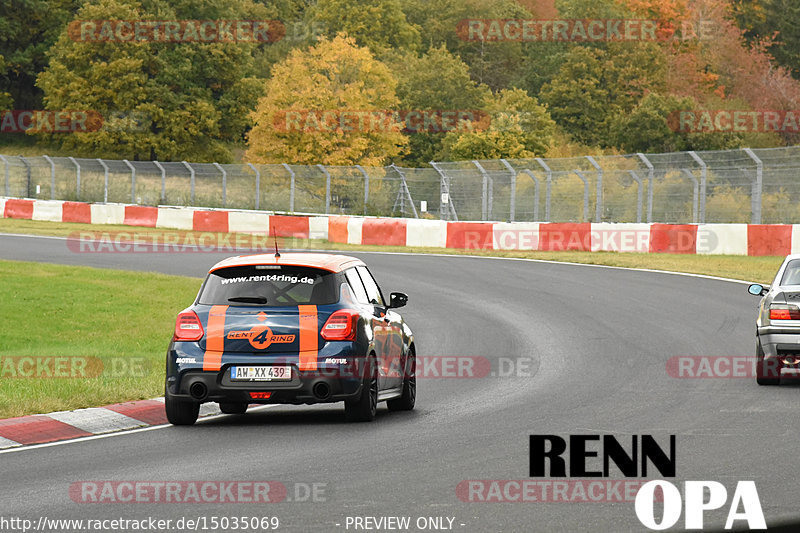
269,285
791,274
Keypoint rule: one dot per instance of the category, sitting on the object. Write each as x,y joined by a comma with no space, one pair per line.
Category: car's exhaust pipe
198,390
321,390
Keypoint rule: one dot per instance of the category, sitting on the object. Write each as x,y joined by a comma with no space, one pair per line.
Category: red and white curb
67,425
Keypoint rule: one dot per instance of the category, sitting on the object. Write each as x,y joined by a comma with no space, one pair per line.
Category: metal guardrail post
133,180
224,183
695,193
191,179
105,180
639,195
327,188
513,203
163,180
366,187
28,176
701,215
650,171
77,178
757,188
598,206
258,184
403,193
547,188
530,173
52,176
585,195
444,190
8,177
292,187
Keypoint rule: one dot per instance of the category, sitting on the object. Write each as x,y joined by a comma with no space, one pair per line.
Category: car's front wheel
181,412
408,399
233,408
364,408
767,372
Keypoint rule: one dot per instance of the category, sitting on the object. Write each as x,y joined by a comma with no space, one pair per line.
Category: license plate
261,373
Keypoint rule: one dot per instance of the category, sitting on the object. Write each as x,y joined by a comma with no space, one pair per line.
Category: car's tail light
784,312
260,395
341,326
188,327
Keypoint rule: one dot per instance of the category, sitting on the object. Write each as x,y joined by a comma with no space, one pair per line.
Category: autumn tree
516,126
302,116
190,98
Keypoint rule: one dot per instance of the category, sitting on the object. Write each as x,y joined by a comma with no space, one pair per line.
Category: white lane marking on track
119,433
548,261
96,420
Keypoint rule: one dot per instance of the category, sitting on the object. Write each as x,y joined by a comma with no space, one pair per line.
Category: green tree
652,126
594,86
437,81
379,25
518,127
336,77
192,97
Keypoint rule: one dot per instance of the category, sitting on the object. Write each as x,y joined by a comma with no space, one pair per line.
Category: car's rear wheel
233,408
767,372
181,412
364,408
408,399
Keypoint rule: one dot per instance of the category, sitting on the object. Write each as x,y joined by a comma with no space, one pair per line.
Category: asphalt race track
596,342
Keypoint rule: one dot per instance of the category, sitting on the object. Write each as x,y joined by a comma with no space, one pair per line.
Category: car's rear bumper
779,342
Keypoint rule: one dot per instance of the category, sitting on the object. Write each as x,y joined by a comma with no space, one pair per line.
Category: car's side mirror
757,290
397,299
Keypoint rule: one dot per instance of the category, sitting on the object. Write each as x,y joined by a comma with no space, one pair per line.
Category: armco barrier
712,239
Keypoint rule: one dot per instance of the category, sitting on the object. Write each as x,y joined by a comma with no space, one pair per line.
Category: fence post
8,184
163,180
52,176
512,207
105,180
133,180
191,179
327,188
403,193
258,184
291,188
694,193
28,176
487,186
77,178
703,175
444,192
366,187
649,166
757,188
639,191
530,173
547,187
585,195
224,183
598,206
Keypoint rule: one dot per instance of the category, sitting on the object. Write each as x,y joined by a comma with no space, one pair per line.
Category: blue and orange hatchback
296,328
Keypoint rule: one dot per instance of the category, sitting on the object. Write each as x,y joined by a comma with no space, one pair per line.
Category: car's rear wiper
248,299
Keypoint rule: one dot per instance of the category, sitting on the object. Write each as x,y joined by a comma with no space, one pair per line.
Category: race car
778,323
292,328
